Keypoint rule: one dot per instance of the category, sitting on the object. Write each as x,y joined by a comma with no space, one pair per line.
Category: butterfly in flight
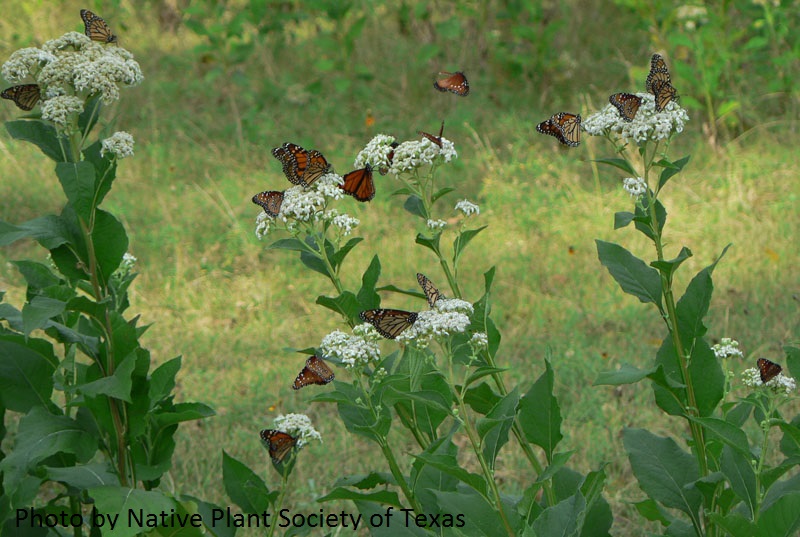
435,139
564,126
453,82
270,200
278,443
430,290
389,323
316,371
300,166
768,370
25,96
627,104
359,184
659,83
96,28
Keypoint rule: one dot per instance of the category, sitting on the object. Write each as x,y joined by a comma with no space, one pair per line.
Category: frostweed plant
119,144
356,350
299,426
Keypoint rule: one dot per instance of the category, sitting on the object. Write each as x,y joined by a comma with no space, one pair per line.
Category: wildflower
646,125
411,155
727,348
479,341
376,153
779,384
63,112
24,63
119,144
345,223
354,350
299,426
435,225
467,207
448,317
263,223
635,186
328,186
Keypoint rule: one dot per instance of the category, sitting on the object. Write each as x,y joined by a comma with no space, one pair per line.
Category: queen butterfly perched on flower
435,139
768,370
388,322
278,443
96,28
270,200
564,126
300,166
453,82
432,294
627,104
359,184
389,158
24,96
659,83
316,371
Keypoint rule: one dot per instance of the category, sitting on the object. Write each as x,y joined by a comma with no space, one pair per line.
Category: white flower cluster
479,341
727,348
449,316
119,144
63,111
263,224
376,153
308,205
299,426
413,154
345,223
436,225
635,186
467,207
647,124
780,384
354,350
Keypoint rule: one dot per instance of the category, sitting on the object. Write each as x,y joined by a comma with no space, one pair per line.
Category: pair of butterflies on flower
25,96
566,127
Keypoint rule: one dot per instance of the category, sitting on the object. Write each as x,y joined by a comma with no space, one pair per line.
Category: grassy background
204,126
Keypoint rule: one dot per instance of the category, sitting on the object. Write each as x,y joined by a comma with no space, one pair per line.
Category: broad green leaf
162,381
368,298
346,304
39,133
631,273
441,192
670,169
37,275
735,524
493,428
50,231
213,527
643,220
693,305
622,219
294,245
110,243
387,497
558,462
38,312
780,519
626,374
728,433
481,372
668,267
481,398
84,476
26,376
105,170
425,478
341,253
540,414
563,518
622,164
414,205
78,181
448,464
432,243
244,487
91,113
132,506
479,517
117,385
462,240
741,476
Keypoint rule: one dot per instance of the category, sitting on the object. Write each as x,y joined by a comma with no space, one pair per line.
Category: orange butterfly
627,104
389,323
659,83
431,292
278,443
96,28
435,139
270,200
300,166
564,126
454,83
315,372
768,370
24,96
359,184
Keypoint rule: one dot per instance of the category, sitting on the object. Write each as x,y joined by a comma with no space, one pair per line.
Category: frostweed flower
449,316
435,225
467,207
63,112
635,186
302,205
328,186
376,153
263,223
119,144
647,124
413,154
345,223
727,348
453,305
354,350
299,426
479,341
779,384
25,62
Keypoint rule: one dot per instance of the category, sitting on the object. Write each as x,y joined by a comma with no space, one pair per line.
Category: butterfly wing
435,139
359,184
431,292
24,96
278,443
316,371
627,104
389,323
270,200
454,83
564,126
389,158
768,370
664,94
659,83
96,28
315,167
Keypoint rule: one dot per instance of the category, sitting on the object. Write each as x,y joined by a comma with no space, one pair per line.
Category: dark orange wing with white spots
278,443
270,201
768,370
453,82
316,371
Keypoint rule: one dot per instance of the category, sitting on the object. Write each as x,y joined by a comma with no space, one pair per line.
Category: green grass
231,308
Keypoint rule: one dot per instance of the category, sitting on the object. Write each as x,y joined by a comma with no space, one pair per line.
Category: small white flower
467,207
453,304
25,62
434,324
263,224
376,153
345,223
119,144
479,341
647,124
63,112
354,350
727,348
435,225
635,186
301,205
328,186
780,384
299,426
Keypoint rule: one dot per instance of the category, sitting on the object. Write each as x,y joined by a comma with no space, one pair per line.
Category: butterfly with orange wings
564,126
768,370
453,82
278,443
435,139
389,158
432,294
627,104
96,28
316,371
24,96
388,322
659,83
300,166
270,201
359,184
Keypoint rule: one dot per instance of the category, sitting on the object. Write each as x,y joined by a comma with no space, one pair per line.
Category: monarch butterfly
659,82
25,96
389,158
270,200
359,184
435,139
389,323
627,104
768,370
315,372
564,126
96,28
278,443
301,167
453,82
430,290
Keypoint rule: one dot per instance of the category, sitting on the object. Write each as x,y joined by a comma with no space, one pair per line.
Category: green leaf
294,245
38,312
626,374
341,253
735,524
693,305
39,133
37,275
478,516
493,429
643,221
346,304
558,462
49,231
622,219
481,372
670,169
110,243
740,475
78,181
414,205
780,518
481,398
105,170
387,497
432,243
668,268
441,192
120,501
563,518
91,113
162,381
728,433
368,298
26,376
462,240
540,415
631,273
83,476
622,164
244,487
117,385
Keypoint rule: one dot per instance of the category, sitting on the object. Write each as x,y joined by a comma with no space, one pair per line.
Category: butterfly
96,28
315,372
389,323
435,139
389,158
430,290
768,370
25,96
627,104
301,167
659,83
278,443
454,83
359,184
270,200
564,126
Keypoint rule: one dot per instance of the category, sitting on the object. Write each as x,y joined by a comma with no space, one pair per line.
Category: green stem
281,497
